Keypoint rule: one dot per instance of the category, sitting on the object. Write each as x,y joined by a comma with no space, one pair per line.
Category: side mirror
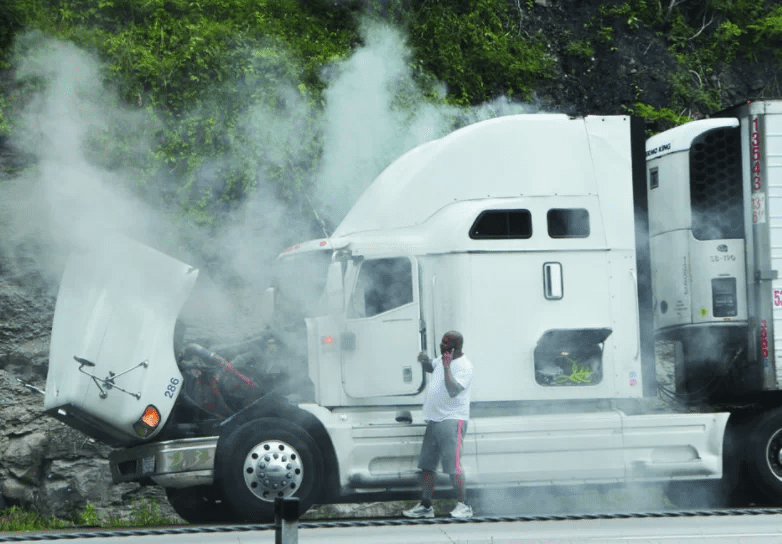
267,305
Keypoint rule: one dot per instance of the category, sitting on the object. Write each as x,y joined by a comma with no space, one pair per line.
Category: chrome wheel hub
273,469
774,454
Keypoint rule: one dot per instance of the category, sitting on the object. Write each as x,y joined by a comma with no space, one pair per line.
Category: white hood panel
117,307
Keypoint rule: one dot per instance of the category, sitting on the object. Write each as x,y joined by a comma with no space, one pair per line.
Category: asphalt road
711,529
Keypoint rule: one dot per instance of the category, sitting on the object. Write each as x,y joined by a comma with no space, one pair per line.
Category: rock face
44,464
47,466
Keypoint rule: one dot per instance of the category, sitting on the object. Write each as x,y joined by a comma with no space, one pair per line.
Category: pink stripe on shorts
458,460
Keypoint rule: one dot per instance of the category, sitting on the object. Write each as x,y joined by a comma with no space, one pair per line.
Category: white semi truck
563,248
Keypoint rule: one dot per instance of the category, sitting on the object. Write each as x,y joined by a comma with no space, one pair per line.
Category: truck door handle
552,281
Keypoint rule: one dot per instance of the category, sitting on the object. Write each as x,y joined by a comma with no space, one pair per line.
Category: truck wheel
765,455
265,459
200,504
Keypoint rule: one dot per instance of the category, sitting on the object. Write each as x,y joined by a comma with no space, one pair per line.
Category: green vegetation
143,513
15,518
475,46
582,49
657,119
194,72
706,39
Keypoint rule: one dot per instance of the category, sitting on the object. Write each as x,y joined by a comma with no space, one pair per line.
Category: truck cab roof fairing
491,159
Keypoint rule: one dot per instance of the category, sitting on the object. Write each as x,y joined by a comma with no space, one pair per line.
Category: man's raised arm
451,385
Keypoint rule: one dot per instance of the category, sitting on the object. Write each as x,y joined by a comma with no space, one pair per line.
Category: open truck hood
116,309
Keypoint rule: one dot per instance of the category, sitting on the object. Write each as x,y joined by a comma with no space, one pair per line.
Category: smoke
375,112
66,198
569,500
70,193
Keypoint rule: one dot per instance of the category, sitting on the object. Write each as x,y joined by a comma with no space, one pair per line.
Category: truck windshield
300,281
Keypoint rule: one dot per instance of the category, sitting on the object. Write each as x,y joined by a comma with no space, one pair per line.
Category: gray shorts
443,443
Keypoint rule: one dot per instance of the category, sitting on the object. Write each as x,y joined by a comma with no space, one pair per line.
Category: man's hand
425,361
447,358
451,385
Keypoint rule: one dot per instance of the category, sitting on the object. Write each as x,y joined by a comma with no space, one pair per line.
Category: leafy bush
476,47
657,119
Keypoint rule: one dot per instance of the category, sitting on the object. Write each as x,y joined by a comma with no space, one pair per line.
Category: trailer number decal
764,339
757,183
759,208
777,297
171,388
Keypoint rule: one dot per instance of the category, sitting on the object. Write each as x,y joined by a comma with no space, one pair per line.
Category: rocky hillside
45,464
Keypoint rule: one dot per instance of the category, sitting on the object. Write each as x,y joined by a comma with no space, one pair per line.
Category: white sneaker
462,511
419,511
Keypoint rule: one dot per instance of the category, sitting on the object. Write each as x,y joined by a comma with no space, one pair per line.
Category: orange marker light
151,416
149,420
327,339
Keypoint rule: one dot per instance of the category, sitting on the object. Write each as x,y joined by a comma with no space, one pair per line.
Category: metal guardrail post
286,520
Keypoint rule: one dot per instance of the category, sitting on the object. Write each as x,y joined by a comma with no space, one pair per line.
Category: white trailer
544,241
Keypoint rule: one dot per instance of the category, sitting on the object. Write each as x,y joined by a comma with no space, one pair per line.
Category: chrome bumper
175,463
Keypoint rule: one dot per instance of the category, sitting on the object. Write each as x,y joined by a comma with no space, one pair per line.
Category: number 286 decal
171,388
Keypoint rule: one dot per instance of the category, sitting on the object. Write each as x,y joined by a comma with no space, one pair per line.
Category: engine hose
210,356
194,350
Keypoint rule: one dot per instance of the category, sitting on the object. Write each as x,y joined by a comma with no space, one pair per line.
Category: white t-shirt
439,405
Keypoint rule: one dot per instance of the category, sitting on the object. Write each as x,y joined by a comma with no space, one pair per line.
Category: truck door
381,338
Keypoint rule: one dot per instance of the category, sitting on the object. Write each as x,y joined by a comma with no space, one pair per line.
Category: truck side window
568,223
493,224
383,284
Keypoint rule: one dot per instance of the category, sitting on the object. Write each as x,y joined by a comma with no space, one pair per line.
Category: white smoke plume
66,198
373,113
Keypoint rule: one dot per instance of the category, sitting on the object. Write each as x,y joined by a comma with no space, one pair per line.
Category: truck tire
264,459
764,459
200,504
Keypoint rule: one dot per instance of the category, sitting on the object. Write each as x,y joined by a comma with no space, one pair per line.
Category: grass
18,519
144,513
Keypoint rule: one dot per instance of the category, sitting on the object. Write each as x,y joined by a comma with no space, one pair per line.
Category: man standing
446,411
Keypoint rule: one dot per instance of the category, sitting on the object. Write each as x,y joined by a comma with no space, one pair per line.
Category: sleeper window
568,223
494,224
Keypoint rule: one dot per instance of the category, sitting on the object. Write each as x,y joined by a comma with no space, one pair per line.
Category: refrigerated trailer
563,248
723,229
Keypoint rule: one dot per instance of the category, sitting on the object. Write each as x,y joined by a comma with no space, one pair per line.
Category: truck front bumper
174,463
